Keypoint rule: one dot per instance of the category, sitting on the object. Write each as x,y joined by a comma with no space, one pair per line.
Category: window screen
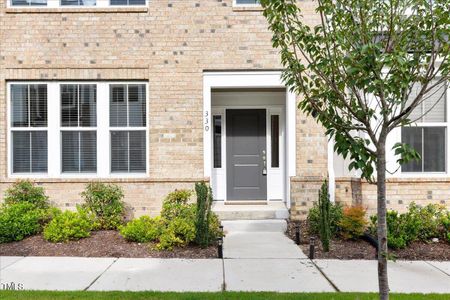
78,2
128,151
78,105
29,114
127,105
247,2
127,2
429,142
28,2
79,151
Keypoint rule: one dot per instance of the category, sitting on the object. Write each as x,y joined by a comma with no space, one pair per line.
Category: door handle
264,171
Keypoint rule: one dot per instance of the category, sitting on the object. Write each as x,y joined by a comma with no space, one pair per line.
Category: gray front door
246,154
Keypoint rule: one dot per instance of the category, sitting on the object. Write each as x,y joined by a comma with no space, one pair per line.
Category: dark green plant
69,226
26,191
174,203
204,202
324,217
105,201
20,220
335,216
142,230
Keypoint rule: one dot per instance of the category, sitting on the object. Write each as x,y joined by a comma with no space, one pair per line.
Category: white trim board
269,79
54,128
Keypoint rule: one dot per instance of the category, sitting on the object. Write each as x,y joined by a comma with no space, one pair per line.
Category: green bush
68,226
142,230
178,233
20,220
174,204
26,191
353,222
105,201
446,227
417,224
324,217
335,216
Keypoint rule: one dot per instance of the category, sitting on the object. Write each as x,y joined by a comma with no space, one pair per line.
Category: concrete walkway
246,274
256,258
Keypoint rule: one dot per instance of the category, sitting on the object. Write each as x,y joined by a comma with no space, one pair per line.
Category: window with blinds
28,128
79,109
127,112
430,136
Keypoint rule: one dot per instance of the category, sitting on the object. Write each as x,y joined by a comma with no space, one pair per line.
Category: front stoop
270,211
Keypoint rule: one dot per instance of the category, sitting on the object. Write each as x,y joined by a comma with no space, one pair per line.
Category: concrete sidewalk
246,274
258,256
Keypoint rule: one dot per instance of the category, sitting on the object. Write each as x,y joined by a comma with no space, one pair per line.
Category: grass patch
41,295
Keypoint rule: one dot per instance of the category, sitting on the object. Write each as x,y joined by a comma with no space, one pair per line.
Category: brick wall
168,43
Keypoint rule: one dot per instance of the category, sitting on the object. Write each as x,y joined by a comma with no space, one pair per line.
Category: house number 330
206,121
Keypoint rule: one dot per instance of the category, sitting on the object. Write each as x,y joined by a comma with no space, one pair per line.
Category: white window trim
54,129
57,4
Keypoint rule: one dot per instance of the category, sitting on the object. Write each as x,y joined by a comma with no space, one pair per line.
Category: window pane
88,105
38,2
434,149
78,2
79,151
217,121
29,151
119,2
88,151
413,137
19,105
69,105
119,151
275,140
136,103
136,2
39,151
128,151
247,1
118,106
21,152
137,151
38,105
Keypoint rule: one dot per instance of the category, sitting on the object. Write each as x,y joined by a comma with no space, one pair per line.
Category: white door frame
264,79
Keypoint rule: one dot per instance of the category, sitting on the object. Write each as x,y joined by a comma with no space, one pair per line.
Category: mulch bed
99,244
342,249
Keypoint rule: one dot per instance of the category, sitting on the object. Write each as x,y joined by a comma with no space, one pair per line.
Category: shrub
324,217
142,230
20,220
446,227
335,216
26,191
418,223
175,203
179,232
204,201
105,201
353,222
68,226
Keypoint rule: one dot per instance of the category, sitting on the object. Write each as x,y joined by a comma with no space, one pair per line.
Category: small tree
361,72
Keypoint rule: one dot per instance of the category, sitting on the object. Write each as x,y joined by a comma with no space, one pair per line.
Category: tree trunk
383,283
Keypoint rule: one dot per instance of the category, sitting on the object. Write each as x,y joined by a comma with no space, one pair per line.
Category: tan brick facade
170,44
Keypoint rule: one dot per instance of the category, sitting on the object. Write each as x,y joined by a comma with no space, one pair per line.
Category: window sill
248,8
58,10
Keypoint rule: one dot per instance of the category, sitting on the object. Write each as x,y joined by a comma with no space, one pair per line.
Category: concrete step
255,226
270,211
